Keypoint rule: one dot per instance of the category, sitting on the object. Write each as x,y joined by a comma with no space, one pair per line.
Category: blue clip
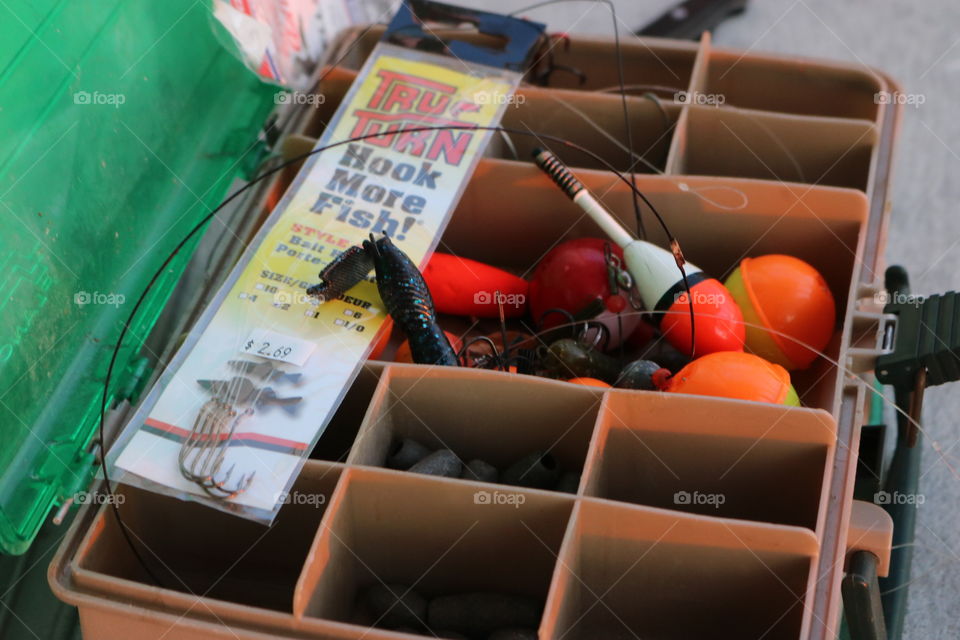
520,36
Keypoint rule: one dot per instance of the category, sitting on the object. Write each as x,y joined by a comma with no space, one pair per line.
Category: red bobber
575,275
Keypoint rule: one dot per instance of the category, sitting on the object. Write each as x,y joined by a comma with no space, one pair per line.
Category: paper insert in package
250,392
283,40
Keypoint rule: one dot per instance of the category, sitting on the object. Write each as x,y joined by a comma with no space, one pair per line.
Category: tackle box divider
480,543
693,570
701,67
695,85
440,409
379,404
714,458
664,62
104,563
786,148
792,81
557,609
318,555
362,399
652,125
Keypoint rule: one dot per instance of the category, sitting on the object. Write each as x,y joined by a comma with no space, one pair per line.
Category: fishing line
641,231
606,134
645,88
777,141
700,191
655,99
108,484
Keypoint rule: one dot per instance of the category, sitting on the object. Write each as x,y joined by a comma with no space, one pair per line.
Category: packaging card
266,367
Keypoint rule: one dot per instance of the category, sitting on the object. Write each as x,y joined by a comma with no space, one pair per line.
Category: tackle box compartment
767,561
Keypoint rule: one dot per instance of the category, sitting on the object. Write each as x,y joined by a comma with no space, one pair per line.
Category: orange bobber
589,382
737,375
464,287
789,296
718,322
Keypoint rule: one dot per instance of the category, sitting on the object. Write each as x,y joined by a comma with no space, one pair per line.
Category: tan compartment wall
713,457
773,146
594,121
479,416
341,432
211,553
795,85
700,578
432,535
662,66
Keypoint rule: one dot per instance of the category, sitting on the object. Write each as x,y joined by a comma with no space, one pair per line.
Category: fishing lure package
234,415
657,515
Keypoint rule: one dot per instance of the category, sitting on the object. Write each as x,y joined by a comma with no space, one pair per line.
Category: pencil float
719,322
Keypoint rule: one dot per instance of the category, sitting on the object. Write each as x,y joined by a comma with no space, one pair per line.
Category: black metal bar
861,598
689,19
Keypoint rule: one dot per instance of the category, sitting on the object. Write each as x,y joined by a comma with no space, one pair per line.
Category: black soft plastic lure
402,289
343,273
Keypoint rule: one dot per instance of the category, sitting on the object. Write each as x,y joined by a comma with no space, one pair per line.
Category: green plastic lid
123,123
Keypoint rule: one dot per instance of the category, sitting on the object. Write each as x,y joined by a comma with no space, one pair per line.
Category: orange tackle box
745,154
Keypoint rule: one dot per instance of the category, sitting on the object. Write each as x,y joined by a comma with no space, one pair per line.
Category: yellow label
402,184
